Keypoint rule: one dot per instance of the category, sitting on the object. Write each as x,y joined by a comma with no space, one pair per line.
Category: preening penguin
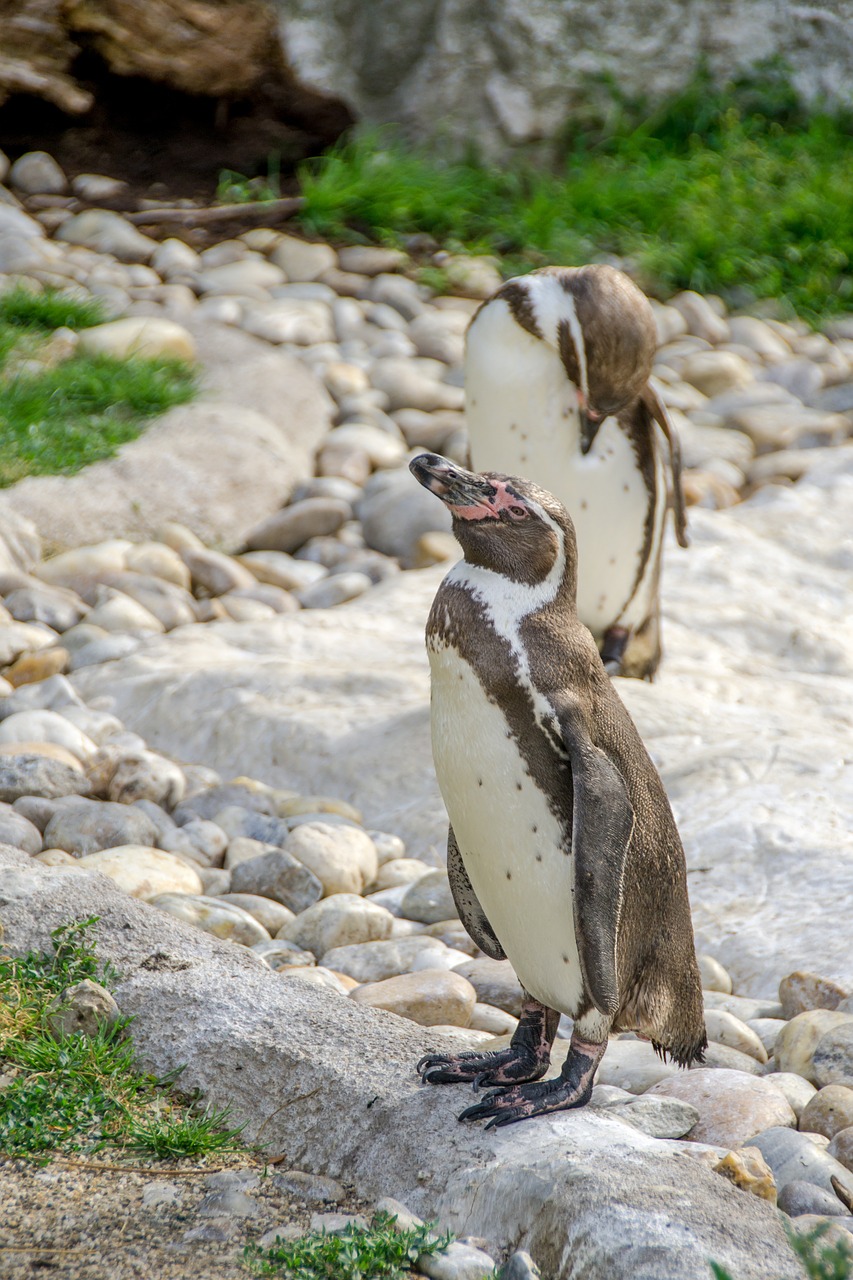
557,388
563,853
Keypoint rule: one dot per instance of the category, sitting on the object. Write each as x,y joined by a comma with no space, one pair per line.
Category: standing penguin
557,389
563,854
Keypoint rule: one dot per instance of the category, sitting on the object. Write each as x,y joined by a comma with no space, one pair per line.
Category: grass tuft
48,311
67,417
84,1093
376,1252
735,191
58,418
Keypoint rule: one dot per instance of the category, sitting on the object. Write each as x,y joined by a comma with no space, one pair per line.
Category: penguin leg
572,1088
525,1058
613,647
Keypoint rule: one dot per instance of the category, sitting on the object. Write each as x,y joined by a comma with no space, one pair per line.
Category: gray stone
84,1008
99,652
797,1198
375,961
520,1266
54,606
415,383
429,899
833,1058
714,976
160,1195
571,1186
16,830
394,517
289,529
216,573
308,1186
107,232
210,801
280,876
29,774
334,590
495,983
37,174
236,820
212,915
144,775
280,954
338,921
841,1147
343,858
794,1088
794,1157
732,1106
36,810
655,1116
88,826
234,1203
269,913
52,694
742,1007
457,1262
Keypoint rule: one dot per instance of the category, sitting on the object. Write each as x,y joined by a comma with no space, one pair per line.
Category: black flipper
657,409
602,823
471,914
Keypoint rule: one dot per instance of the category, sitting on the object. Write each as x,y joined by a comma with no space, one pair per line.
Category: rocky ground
232,635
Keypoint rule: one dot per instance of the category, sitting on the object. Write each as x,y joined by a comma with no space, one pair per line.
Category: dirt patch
76,1223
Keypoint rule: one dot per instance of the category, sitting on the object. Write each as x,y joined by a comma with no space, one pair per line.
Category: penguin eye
518,513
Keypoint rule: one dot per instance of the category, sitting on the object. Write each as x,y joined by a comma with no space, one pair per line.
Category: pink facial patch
502,500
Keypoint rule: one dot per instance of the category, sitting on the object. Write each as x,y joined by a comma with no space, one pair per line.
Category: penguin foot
572,1088
504,1066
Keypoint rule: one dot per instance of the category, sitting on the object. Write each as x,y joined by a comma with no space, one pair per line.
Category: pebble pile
297,879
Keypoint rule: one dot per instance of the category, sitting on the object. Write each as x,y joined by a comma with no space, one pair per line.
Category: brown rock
802,991
747,1169
37,666
50,749
796,1043
432,997
841,1147
732,1105
829,1111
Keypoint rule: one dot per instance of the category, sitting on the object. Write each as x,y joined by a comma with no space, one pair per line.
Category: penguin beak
590,421
454,485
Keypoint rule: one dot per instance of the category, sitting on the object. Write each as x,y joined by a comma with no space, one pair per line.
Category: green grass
737,192
236,188
82,1094
61,418
376,1252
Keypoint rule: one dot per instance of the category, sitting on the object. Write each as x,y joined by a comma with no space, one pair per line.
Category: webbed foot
572,1088
526,1057
503,1066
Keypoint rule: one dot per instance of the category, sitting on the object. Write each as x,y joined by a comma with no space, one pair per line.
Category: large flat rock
218,465
750,720
332,1084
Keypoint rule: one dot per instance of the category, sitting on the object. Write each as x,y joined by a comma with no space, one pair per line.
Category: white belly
509,840
522,420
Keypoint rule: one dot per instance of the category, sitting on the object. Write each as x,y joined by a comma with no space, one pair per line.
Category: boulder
583,1194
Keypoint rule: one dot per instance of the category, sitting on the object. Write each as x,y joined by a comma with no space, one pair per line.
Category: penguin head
502,523
603,327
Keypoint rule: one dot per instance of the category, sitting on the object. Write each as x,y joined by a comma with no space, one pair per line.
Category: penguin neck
508,601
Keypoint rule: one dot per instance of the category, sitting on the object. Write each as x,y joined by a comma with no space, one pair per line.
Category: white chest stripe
507,604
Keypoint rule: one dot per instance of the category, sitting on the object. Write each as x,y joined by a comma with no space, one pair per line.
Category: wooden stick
254,210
